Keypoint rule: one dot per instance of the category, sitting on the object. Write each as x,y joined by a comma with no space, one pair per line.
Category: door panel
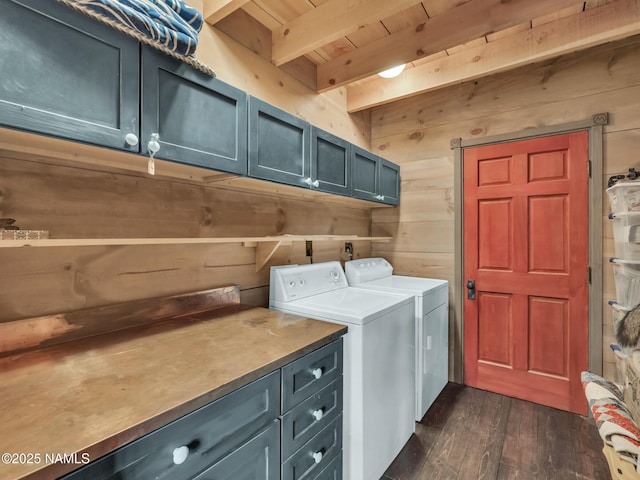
495,328
525,234
548,329
495,234
548,224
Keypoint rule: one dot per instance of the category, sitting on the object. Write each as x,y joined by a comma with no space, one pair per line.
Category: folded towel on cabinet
171,26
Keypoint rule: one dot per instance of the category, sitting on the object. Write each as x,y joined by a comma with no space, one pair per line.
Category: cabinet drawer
258,459
304,421
208,433
308,375
333,471
315,455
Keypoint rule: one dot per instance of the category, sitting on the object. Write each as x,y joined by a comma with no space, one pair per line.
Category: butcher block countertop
92,395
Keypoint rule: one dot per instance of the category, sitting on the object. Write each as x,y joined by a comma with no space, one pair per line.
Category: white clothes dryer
431,322
378,378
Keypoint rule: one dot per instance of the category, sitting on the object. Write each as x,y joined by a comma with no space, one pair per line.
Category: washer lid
404,284
346,305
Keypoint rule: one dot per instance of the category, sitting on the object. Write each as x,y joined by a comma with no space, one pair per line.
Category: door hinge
589,167
589,275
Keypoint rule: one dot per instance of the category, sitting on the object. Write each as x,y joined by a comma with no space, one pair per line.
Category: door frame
595,126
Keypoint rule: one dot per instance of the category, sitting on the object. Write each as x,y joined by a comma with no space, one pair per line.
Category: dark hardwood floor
471,434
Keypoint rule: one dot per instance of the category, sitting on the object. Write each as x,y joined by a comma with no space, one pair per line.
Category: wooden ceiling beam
216,10
595,26
328,22
458,25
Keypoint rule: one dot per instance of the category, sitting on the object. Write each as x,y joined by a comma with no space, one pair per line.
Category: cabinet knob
154,145
180,454
131,139
317,457
317,373
316,184
308,181
318,414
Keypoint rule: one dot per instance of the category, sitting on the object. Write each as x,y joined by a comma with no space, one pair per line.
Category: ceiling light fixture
392,72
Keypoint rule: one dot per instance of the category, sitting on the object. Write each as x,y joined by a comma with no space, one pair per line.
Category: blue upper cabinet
330,163
199,120
374,178
66,75
279,145
69,76
389,186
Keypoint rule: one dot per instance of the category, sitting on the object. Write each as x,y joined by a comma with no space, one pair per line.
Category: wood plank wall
416,133
78,202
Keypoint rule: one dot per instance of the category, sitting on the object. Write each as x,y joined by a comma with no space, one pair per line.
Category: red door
526,248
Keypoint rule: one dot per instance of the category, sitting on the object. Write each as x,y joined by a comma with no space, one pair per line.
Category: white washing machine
378,361
431,322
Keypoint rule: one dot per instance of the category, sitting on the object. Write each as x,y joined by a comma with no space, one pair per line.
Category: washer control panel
300,281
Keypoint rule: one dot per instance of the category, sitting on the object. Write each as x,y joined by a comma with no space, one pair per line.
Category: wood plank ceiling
329,44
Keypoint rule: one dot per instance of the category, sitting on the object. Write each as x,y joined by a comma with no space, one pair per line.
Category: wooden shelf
265,246
247,241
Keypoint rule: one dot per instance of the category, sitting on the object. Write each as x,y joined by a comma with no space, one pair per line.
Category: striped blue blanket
171,24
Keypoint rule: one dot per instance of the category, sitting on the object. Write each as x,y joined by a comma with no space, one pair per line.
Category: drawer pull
317,373
180,454
317,457
318,414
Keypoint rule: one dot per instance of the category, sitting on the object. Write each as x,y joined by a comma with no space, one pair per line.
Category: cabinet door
278,145
330,162
200,120
389,182
67,75
365,173
258,459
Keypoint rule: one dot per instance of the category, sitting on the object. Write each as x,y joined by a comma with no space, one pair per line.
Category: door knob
471,289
